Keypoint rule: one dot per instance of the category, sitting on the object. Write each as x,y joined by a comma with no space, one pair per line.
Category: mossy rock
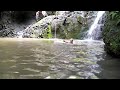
111,34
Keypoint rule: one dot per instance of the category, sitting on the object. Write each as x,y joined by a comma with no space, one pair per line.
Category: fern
114,15
118,22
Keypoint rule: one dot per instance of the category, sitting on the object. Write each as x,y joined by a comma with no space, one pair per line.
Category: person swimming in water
70,41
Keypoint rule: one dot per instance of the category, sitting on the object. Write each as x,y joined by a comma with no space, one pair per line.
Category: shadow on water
43,58
110,67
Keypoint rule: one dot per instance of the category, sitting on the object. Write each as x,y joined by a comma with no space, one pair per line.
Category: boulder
66,24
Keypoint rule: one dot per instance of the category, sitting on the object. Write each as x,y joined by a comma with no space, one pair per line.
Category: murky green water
45,59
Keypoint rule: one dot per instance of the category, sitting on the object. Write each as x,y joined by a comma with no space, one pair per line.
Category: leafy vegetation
48,33
111,33
115,15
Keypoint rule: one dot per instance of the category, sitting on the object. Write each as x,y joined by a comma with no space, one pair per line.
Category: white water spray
94,25
20,34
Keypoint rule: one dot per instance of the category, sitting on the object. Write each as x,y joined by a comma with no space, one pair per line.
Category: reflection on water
53,59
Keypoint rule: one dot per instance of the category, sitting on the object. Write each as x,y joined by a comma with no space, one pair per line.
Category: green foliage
48,33
115,15
111,33
118,21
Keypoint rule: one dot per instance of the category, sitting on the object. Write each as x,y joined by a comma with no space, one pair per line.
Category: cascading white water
94,25
20,34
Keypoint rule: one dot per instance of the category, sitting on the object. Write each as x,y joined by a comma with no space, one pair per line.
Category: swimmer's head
71,40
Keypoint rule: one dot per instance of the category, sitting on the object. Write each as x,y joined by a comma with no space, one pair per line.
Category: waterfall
20,34
94,25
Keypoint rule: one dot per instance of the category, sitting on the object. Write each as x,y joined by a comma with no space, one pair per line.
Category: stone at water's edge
68,24
111,35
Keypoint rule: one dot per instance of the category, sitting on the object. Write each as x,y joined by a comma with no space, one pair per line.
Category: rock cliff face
66,24
13,21
111,33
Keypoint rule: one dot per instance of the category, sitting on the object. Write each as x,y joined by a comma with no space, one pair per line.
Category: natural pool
27,58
